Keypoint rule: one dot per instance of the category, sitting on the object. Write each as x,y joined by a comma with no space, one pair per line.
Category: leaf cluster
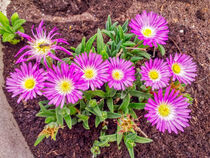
8,28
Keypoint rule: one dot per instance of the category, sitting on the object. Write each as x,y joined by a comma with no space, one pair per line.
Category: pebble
181,31
202,102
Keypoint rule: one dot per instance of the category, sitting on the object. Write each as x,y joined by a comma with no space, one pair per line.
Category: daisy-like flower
151,28
64,84
41,45
169,111
155,73
94,69
182,68
26,82
121,74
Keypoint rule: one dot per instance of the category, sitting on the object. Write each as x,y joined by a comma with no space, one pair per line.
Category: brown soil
189,33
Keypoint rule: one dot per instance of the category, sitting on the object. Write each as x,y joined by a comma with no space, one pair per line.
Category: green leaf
110,34
104,54
99,93
139,139
90,43
121,33
39,139
67,118
125,26
129,44
111,137
18,23
136,58
128,36
83,45
100,42
21,29
113,115
137,106
110,104
14,17
7,37
132,113
161,49
84,118
92,103
125,103
50,119
139,94
131,151
59,116
97,121
108,23
3,19
2,31
119,136
45,114
97,111
78,49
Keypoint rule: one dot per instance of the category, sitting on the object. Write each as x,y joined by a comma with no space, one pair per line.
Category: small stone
181,31
202,102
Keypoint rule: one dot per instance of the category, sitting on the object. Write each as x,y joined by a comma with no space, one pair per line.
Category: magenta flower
150,28
121,74
155,73
41,45
26,82
169,111
64,84
182,68
94,69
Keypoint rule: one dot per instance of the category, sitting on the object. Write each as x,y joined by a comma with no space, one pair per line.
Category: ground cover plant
102,80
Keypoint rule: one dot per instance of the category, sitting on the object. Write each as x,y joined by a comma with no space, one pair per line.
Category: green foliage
8,29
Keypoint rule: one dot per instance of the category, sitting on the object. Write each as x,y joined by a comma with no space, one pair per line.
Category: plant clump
102,79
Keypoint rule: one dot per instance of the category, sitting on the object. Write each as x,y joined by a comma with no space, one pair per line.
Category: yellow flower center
117,74
164,110
42,47
29,83
147,32
65,86
89,73
176,68
153,74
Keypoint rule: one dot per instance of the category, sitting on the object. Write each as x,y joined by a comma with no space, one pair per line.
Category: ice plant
64,84
41,45
121,73
26,82
182,68
155,73
151,28
94,69
168,111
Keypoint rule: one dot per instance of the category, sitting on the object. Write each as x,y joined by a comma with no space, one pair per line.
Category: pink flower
64,85
182,68
26,82
94,69
41,45
121,74
150,28
169,111
155,73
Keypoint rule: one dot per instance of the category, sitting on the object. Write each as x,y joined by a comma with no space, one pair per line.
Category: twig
120,52
175,44
135,48
139,130
154,52
203,78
